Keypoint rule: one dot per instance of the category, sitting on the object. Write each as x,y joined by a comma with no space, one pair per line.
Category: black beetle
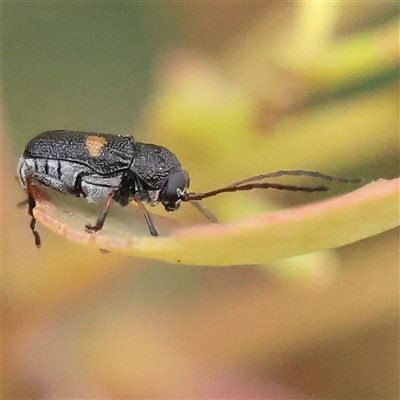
102,167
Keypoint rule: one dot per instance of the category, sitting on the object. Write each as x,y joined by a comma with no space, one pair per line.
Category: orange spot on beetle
94,144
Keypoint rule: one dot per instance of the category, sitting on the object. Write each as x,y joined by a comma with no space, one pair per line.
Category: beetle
102,167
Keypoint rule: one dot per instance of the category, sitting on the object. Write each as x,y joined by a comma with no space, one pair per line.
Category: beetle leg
77,190
101,218
206,212
31,206
51,182
147,216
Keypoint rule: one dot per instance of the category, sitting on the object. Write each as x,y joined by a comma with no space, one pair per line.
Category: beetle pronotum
104,167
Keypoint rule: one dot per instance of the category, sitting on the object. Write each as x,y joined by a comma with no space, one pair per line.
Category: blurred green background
82,65
234,89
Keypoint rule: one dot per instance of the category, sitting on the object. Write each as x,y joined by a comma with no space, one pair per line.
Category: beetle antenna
298,172
251,186
248,184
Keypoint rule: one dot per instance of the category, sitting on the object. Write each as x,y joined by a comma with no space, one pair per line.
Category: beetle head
174,188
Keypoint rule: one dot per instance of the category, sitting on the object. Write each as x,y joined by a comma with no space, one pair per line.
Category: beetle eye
176,184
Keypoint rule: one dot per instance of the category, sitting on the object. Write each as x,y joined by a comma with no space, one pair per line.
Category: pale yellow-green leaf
266,237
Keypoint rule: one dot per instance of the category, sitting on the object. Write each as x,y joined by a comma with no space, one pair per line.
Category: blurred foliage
234,89
80,65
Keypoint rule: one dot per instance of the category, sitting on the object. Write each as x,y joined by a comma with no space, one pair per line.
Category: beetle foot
93,228
35,232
